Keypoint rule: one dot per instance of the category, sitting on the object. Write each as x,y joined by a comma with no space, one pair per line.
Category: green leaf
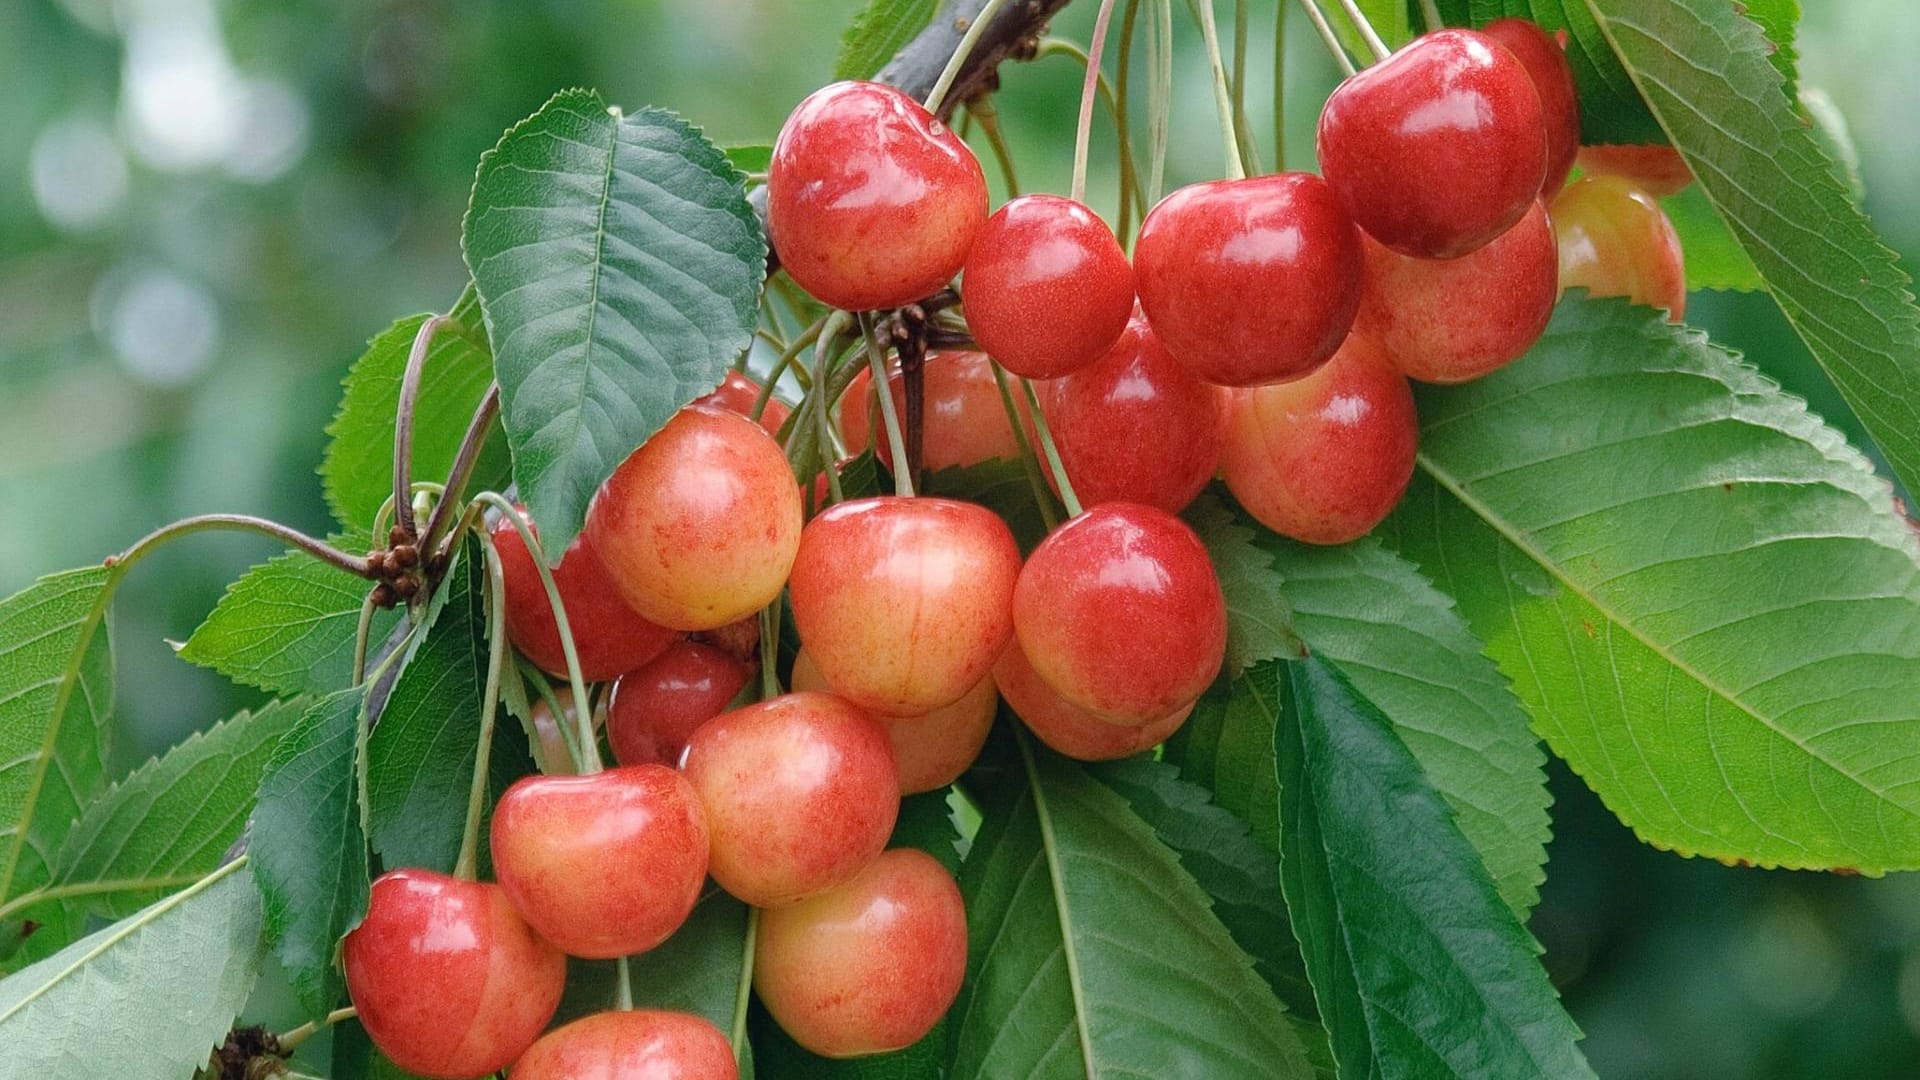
704,968
1714,259
751,158
1259,621
147,998
1705,598
287,626
1094,954
1226,746
881,29
356,1058
1000,486
619,266
1419,967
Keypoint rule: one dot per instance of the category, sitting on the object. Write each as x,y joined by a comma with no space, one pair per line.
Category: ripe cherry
1437,149
1066,727
653,711
552,746
1325,459
1545,58
870,966
1119,611
904,603
448,979
603,865
964,420
1249,281
698,527
1047,288
1616,241
608,636
641,1044
1659,171
930,750
1134,426
1450,320
872,202
738,393
800,791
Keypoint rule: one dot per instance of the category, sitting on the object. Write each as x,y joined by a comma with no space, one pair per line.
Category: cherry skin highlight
608,636
930,750
1616,241
872,202
641,1044
603,865
1047,288
738,393
1067,728
800,791
964,420
698,527
1545,58
655,710
1325,459
1658,170
1119,611
1249,281
870,966
904,603
449,981
1437,149
1451,320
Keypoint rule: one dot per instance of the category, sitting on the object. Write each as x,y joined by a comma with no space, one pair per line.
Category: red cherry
1120,612
965,422
653,711
1545,59
872,965
1324,459
1451,320
553,750
1249,281
930,750
1134,426
872,202
738,393
904,603
698,527
608,636
1047,288
1616,241
448,980
800,791
604,865
1659,171
1437,149
644,1044
1066,727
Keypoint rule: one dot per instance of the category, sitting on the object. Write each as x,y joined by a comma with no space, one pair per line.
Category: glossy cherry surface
1615,240
1066,727
930,750
964,421
653,711
1658,170
641,1044
1047,287
609,637
1545,57
738,393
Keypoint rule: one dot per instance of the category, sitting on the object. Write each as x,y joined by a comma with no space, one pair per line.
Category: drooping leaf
881,29
1259,623
619,265
287,626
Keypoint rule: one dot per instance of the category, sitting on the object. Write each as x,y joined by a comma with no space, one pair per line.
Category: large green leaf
1419,968
879,31
1259,622
1226,746
1705,598
287,626
619,266
704,968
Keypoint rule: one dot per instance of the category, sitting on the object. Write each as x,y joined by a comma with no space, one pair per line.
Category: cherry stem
983,113
821,409
769,650
1248,152
291,1041
793,350
1279,86
938,95
1367,33
877,358
1332,40
1160,96
1222,96
1083,132
1430,12
325,552
467,865
403,422
1067,497
464,462
532,674
622,986
361,635
1128,178
1130,193
1028,460
744,990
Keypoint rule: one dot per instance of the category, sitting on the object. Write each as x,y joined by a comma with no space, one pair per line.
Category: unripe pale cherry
1451,320
1249,281
449,981
698,527
930,750
738,393
1616,241
552,745
603,865
800,792
1437,149
654,710
870,966
639,1044
609,637
1545,58
1047,288
964,419
1120,612
904,603
872,202
1325,459
1066,727
1658,170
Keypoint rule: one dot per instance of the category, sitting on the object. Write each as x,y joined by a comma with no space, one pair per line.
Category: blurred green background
207,206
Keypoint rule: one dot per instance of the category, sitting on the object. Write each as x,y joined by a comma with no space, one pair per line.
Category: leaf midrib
1057,880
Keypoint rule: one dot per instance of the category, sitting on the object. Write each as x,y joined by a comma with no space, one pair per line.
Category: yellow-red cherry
932,749
1615,240
1654,168
1066,727
964,420
609,637
638,1044
1047,288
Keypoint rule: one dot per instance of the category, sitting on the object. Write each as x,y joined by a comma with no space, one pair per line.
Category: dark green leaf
881,29
356,1058
287,627
699,968
1259,623
1000,486
1226,746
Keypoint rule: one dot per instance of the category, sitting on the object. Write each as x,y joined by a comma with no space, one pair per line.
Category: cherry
698,527
1616,241
642,1044
872,202
1437,149
965,420
800,791
604,865
448,979
1047,288
870,966
653,711
553,749
1134,426
1659,171
1119,611
930,750
1325,459
1451,320
1545,58
1066,727
1249,281
608,636
904,603
738,393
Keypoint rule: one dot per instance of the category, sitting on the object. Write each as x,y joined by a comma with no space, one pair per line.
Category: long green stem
1327,36
938,95
1430,11
360,636
792,352
877,358
291,1041
743,992
1161,97
1125,66
1248,153
988,117
465,867
1367,34
1222,95
1028,461
543,689
1131,195
403,421
326,553
622,985
1067,497
92,888
823,415
1083,131
769,650
1280,85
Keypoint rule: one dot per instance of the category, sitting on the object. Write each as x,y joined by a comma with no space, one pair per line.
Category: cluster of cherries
1265,329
